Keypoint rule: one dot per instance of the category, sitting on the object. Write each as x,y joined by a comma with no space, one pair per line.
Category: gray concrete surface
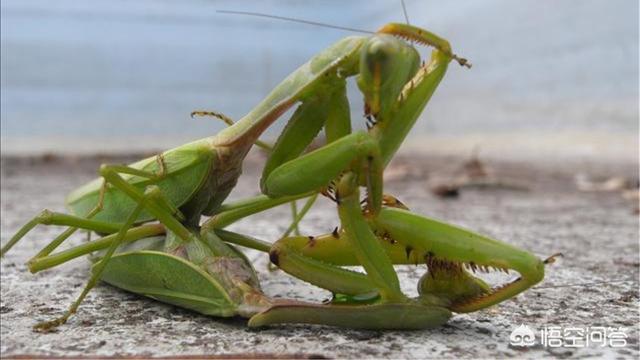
597,232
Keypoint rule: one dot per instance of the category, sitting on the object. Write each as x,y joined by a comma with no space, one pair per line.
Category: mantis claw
424,37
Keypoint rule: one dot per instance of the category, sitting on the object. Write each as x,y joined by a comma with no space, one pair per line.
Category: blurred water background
119,75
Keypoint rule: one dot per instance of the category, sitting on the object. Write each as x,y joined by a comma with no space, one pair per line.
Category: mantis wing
169,279
186,169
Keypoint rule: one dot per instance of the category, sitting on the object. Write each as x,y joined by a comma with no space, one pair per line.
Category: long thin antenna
308,22
404,10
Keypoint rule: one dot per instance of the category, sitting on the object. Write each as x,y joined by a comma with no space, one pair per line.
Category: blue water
119,68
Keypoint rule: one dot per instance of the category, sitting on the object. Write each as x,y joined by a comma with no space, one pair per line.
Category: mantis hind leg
153,201
44,217
47,217
95,277
132,235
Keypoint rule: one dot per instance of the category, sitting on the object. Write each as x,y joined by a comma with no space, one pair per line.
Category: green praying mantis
154,244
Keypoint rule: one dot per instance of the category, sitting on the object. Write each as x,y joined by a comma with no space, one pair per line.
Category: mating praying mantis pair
154,244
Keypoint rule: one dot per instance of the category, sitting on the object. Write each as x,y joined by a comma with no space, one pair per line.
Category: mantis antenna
404,10
308,22
461,61
406,14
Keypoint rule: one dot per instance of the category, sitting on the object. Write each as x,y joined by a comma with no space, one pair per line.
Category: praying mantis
150,211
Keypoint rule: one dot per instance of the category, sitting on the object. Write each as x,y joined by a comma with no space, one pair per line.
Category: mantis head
453,280
453,255
386,65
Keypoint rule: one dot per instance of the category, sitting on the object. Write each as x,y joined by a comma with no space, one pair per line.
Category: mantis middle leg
47,217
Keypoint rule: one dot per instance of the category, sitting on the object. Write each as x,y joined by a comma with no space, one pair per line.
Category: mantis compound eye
386,65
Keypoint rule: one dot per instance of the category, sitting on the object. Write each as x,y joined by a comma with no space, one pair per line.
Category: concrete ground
595,284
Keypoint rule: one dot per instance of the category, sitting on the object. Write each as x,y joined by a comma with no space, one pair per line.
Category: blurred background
116,76
536,145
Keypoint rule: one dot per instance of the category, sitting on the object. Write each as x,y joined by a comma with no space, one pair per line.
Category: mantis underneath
150,211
